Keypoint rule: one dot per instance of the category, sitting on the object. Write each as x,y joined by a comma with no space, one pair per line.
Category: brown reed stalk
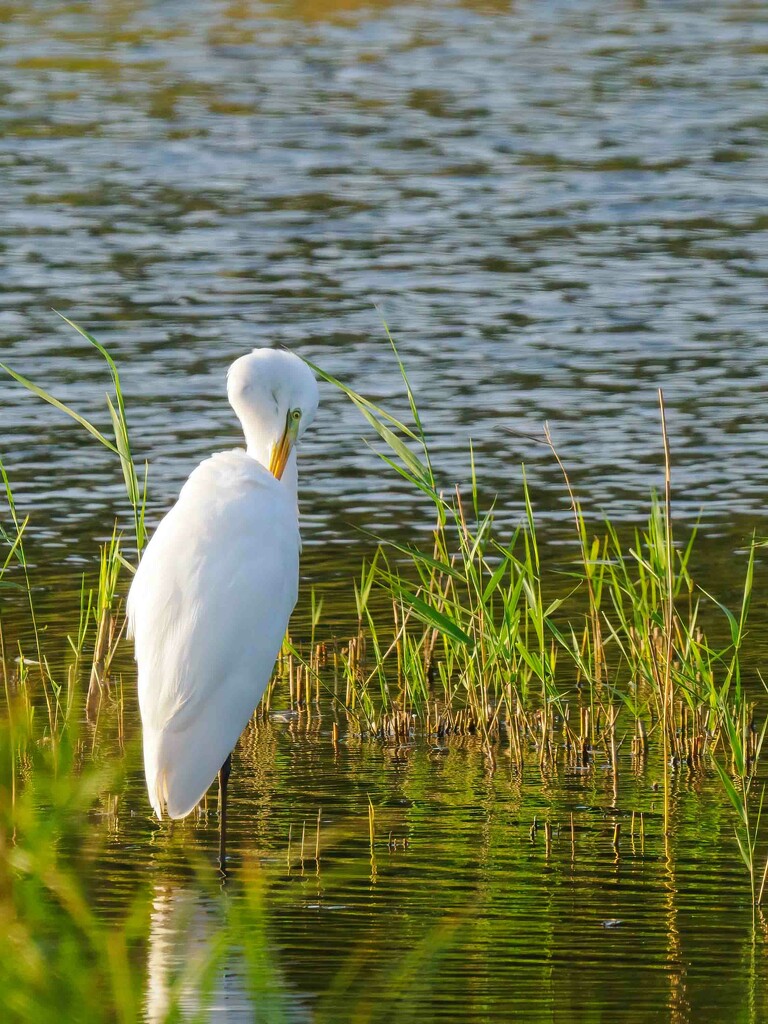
371,823
667,709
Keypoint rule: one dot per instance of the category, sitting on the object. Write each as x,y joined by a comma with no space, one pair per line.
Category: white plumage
211,599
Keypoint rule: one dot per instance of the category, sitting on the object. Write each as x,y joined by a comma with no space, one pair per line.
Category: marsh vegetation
590,722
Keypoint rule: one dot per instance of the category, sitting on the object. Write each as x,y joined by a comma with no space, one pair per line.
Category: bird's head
275,396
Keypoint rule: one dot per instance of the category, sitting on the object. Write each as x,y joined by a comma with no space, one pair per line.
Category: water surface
558,207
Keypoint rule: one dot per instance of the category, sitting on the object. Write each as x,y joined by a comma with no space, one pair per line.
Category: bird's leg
224,773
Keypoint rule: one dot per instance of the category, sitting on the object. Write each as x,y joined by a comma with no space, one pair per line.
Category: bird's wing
208,608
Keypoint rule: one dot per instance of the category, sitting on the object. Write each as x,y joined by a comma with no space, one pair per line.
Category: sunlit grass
472,636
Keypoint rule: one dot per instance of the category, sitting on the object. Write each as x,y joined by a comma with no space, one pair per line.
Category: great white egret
210,602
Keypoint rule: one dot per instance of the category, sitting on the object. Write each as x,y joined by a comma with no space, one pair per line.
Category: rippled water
559,207
469,918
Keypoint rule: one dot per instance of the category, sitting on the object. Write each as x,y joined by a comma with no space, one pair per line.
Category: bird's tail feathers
157,787
176,781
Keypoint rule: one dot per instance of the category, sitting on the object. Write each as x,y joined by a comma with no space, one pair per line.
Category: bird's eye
295,415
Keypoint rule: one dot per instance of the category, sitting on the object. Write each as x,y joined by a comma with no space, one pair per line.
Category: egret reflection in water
194,971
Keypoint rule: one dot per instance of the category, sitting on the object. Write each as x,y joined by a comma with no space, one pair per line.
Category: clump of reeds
476,645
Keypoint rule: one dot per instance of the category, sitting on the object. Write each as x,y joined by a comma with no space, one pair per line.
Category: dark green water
559,208
471,920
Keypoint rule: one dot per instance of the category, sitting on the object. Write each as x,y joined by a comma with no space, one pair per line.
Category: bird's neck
261,451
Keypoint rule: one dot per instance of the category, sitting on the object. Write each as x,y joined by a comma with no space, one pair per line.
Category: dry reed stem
670,605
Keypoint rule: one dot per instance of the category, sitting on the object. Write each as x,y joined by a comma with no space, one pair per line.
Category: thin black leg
224,773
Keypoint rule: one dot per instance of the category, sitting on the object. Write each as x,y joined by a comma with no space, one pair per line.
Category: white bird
210,602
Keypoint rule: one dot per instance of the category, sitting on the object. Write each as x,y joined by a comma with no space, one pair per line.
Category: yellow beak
282,449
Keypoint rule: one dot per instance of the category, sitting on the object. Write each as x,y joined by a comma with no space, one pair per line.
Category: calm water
471,920
559,207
